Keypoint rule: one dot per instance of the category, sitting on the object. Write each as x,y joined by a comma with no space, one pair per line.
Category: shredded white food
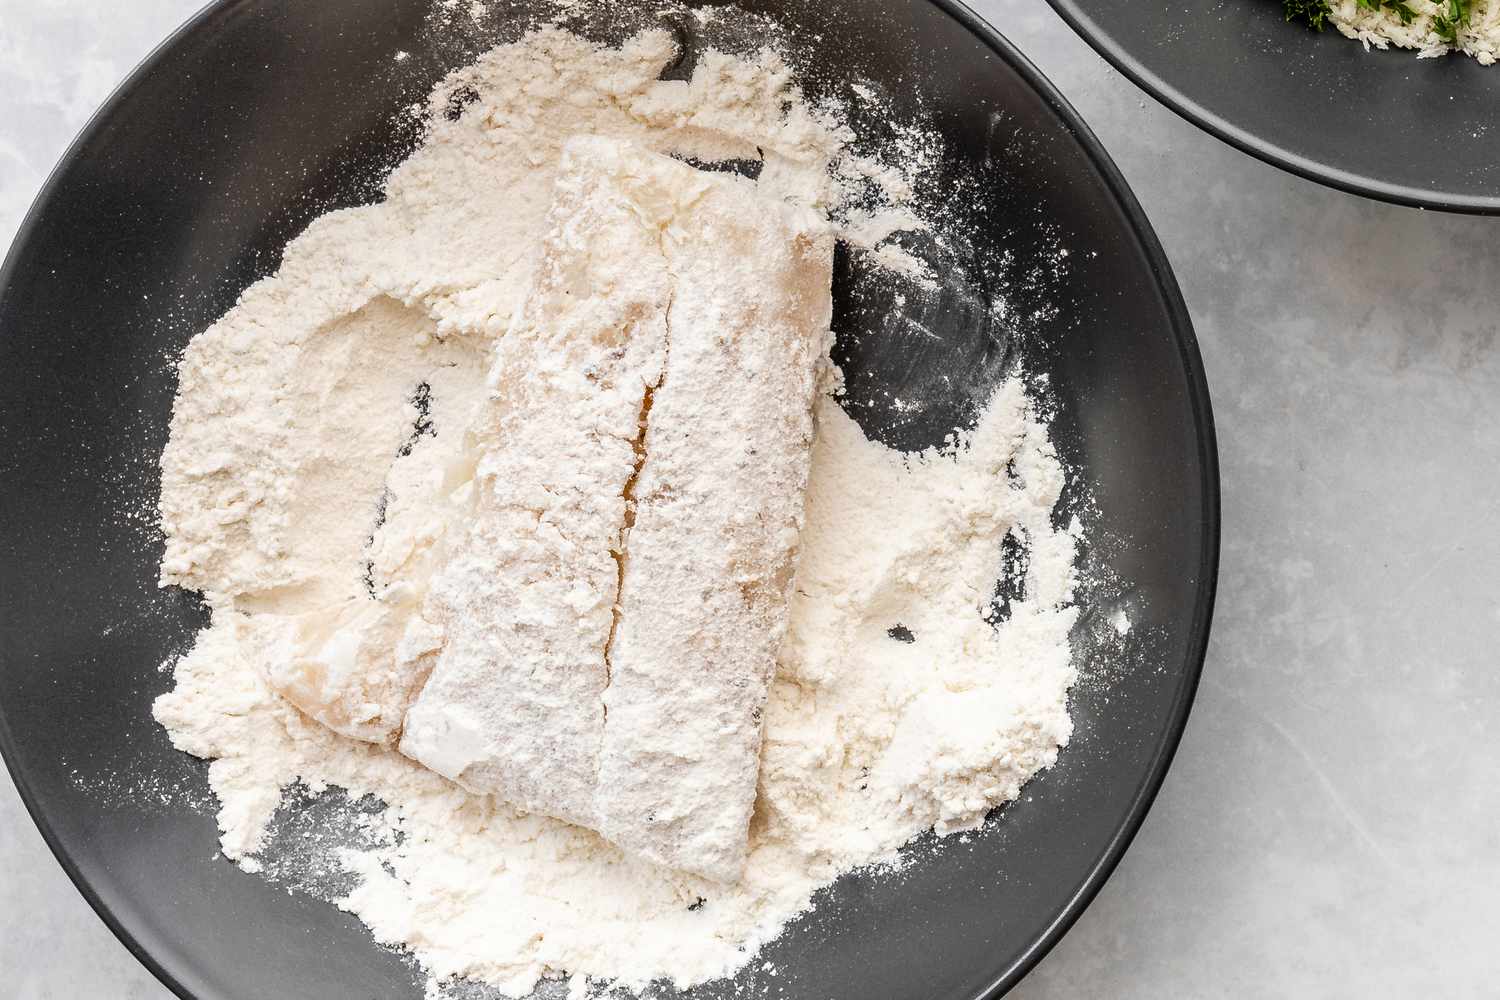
1478,36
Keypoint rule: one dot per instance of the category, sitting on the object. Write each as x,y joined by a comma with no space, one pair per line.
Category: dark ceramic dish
259,115
1382,124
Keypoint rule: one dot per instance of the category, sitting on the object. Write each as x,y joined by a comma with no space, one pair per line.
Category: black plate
259,115
1382,124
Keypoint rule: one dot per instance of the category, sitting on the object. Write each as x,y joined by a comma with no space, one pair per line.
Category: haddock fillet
514,705
718,511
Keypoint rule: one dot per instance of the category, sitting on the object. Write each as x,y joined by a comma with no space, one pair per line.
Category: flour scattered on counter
316,460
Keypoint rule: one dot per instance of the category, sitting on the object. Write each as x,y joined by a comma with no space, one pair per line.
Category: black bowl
259,115
1385,124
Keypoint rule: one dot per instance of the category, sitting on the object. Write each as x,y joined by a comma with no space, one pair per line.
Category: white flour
308,470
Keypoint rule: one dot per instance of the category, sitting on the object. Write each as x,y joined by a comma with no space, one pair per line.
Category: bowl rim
1348,181
1181,328
1208,457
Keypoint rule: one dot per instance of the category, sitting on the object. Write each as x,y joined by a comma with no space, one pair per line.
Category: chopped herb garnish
1402,11
1454,16
1313,12
1446,24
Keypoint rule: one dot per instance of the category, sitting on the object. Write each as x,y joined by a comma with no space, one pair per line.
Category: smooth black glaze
256,117
1385,125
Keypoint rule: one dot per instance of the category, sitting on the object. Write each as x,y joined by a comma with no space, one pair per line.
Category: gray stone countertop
1331,826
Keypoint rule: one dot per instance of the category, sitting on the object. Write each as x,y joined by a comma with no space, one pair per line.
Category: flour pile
317,458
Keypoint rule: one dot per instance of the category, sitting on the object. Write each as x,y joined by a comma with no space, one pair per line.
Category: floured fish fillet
354,668
614,608
718,511
249,514
514,703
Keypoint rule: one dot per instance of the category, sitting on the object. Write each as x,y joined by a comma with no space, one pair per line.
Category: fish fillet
354,667
613,612
718,511
351,662
513,705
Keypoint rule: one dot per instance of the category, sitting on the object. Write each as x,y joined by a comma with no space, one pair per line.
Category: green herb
1454,16
1398,8
1313,12
1446,23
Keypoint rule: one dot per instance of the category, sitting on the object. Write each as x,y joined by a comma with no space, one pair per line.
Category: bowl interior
1383,124
259,116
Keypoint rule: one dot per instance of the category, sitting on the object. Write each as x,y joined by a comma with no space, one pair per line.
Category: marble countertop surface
1330,827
